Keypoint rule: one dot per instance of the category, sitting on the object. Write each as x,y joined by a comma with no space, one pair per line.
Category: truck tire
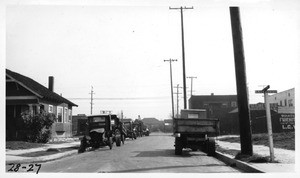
83,145
178,146
211,147
123,139
118,141
110,143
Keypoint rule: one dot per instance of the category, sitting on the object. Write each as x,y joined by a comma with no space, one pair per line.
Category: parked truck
195,131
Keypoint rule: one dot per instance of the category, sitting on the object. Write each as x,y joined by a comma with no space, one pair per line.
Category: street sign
268,91
265,91
272,91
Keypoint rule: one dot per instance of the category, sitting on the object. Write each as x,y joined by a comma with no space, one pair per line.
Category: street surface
154,153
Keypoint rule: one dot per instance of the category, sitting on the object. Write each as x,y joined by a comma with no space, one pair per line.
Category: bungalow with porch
25,94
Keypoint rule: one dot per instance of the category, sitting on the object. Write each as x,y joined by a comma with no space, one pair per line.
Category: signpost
265,91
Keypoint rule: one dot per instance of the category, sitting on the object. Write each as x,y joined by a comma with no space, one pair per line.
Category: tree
38,126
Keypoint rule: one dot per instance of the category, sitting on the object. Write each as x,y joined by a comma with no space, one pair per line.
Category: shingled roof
37,88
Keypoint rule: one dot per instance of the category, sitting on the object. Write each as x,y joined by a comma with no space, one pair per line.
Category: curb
42,158
237,163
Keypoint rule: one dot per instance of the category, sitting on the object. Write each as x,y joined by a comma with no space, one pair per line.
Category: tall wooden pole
241,83
183,53
171,60
183,60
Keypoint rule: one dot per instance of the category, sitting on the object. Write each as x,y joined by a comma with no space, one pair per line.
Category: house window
70,115
59,114
65,115
50,109
285,103
233,104
280,103
290,103
34,109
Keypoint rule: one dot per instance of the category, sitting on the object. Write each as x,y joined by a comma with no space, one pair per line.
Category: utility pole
171,60
92,92
183,54
241,83
191,84
177,99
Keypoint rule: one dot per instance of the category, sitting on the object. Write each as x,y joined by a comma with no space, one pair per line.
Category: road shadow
168,153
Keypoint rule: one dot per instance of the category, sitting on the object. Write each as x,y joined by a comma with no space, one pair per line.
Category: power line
128,98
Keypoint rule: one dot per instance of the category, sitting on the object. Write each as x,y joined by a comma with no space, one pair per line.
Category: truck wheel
118,141
211,147
178,146
83,145
123,139
110,141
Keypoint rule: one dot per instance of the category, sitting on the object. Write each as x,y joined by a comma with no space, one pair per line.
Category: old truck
118,130
128,123
98,132
195,131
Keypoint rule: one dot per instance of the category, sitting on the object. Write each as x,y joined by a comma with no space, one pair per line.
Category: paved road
147,154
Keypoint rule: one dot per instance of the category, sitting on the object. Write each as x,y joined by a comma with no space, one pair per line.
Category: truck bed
208,126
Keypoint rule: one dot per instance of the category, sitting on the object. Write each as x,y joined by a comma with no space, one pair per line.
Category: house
153,124
25,94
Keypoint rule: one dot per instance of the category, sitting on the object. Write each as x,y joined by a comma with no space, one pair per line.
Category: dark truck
138,127
195,131
98,132
128,123
118,130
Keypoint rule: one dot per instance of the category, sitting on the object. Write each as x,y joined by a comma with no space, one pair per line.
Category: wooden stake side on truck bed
194,130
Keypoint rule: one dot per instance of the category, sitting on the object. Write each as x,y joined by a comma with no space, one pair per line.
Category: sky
119,48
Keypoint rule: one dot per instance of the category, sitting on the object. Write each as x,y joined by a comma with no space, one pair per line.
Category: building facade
23,94
216,105
285,101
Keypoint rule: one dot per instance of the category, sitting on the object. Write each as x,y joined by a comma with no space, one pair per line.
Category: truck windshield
99,119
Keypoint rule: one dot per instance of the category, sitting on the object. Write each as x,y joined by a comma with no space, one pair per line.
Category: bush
37,126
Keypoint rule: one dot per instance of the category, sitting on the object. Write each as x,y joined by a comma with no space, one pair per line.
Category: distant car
146,132
98,132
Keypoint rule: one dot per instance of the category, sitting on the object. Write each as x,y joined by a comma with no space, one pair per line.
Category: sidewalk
285,159
15,156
